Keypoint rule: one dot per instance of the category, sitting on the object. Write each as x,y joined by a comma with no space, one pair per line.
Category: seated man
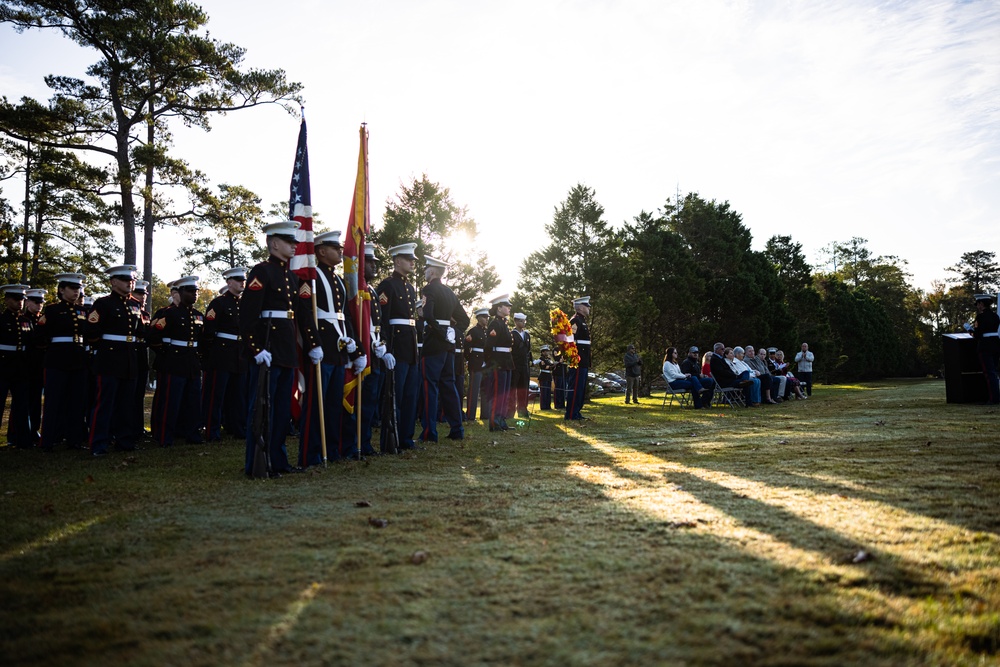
723,372
746,372
773,370
692,366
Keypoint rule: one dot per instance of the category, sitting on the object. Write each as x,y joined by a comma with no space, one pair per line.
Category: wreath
562,332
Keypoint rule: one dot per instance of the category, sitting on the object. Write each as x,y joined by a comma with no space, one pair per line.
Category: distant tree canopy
154,64
424,213
687,275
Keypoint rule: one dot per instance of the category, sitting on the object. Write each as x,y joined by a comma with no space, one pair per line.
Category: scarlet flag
358,297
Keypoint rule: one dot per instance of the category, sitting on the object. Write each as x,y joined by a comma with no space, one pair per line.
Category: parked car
603,382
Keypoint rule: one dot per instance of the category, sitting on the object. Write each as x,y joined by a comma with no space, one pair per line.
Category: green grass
645,536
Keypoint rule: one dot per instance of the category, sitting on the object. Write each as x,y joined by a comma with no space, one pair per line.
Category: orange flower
562,332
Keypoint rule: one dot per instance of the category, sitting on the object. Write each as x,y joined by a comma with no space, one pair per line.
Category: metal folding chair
729,396
683,396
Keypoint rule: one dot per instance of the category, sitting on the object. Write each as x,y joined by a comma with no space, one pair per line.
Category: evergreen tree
576,262
977,271
230,225
424,212
154,63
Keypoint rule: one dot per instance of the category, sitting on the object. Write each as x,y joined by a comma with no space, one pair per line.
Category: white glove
450,334
390,361
347,343
263,357
968,327
536,362
379,350
316,354
359,364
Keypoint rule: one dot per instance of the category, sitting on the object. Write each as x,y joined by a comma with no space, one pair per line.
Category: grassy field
859,527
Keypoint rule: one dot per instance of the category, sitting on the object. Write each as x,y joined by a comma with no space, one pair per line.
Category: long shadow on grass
892,575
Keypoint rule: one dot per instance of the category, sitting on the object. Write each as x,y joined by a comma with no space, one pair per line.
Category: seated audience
723,372
735,360
768,382
782,367
694,367
677,379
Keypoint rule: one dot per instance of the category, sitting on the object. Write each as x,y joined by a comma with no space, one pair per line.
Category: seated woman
793,383
735,361
679,380
767,381
706,364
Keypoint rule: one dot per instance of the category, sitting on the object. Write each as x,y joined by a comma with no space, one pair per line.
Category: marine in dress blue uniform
546,364
274,306
499,363
336,336
141,294
159,346
60,333
398,301
442,313
224,360
113,328
381,361
576,380
475,356
986,331
184,326
15,337
521,376
34,299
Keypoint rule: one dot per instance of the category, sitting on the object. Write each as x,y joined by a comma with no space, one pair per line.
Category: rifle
390,443
262,421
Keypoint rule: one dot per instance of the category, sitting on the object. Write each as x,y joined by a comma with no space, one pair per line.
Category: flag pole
361,375
319,378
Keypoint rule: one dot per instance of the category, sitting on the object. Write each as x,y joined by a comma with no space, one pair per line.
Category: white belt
328,316
444,323
402,323
184,343
166,341
419,345
583,342
119,339
227,336
67,339
458,349
992,335
501,349
278,314
477,349
11,348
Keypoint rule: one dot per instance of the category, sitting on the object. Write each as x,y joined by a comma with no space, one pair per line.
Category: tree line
97,155
687,275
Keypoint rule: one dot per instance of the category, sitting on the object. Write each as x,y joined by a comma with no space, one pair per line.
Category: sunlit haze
823,121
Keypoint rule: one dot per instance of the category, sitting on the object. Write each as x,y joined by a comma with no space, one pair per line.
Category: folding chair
682,395
729,396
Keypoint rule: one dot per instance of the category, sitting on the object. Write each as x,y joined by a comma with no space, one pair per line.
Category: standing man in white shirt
804,367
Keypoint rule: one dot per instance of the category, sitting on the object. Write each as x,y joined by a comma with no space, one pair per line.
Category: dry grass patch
857,527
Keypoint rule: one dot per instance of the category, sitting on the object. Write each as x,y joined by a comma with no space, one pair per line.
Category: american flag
358,226
303,264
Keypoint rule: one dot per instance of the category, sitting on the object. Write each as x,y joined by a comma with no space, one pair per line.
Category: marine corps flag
359,308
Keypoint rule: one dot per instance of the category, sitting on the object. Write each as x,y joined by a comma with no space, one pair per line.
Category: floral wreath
563,334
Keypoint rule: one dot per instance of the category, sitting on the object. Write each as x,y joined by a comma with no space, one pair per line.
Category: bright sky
819,120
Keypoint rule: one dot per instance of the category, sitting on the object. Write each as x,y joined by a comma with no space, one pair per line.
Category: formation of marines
258,341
